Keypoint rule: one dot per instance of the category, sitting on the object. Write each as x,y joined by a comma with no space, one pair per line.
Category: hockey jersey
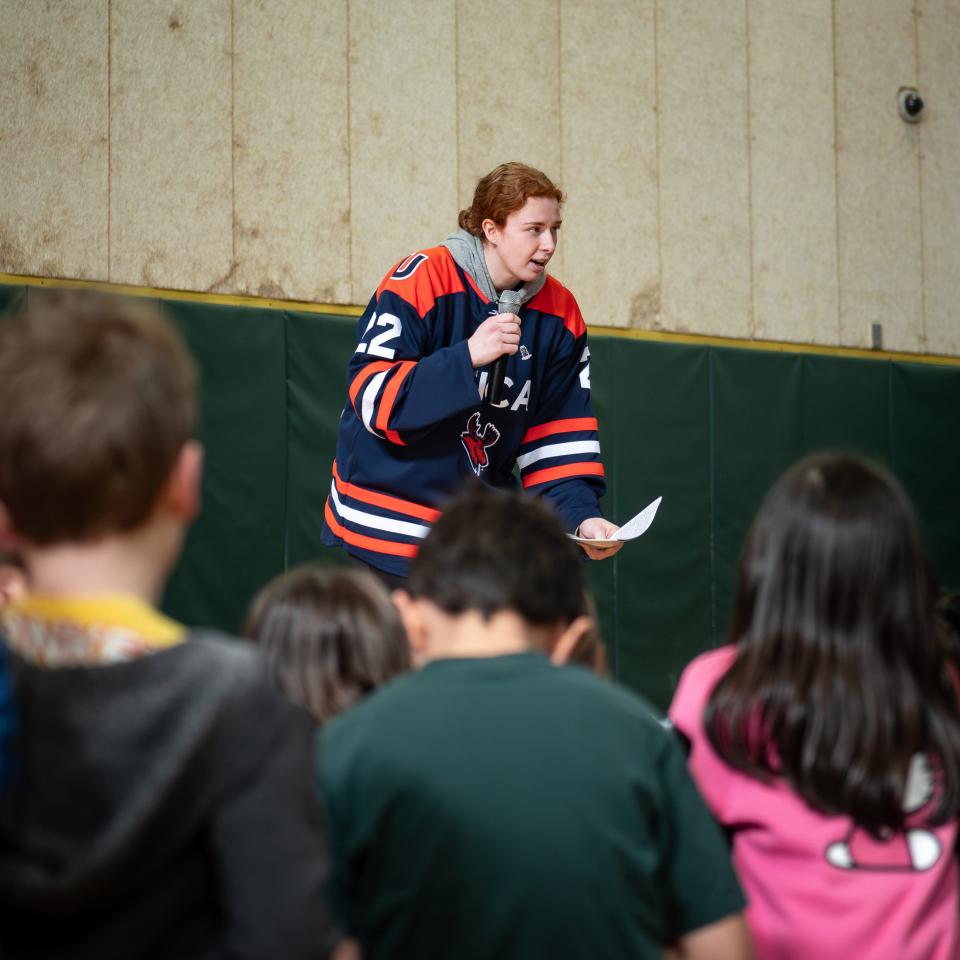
415,426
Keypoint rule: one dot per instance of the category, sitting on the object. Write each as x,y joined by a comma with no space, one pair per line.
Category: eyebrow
540,223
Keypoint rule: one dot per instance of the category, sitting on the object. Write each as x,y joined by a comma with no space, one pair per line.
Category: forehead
537,210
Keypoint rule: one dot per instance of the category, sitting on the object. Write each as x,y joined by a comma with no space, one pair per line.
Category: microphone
509,303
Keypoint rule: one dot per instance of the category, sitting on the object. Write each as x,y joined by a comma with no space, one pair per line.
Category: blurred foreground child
332,635
492,804
826,737
162,805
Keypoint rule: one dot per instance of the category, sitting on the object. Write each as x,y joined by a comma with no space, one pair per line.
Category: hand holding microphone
495,339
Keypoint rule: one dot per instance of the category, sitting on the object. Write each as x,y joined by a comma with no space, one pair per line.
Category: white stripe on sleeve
558,450
369,399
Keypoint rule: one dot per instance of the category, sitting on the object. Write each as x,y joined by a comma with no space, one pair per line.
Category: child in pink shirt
826,738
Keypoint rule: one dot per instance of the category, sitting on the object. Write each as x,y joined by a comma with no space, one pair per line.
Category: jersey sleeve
559,457
398,386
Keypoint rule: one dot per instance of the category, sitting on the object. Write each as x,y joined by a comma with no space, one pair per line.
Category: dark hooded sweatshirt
161,807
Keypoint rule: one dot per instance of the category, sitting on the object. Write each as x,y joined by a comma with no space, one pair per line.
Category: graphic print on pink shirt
914,849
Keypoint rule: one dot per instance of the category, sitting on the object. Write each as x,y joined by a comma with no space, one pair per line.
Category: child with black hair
332,635
492,804
826,737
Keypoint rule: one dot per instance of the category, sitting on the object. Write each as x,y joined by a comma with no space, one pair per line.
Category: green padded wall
707,427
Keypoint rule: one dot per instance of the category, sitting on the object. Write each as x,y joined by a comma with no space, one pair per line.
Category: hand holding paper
633,528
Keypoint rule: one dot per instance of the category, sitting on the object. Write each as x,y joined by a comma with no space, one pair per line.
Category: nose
548,242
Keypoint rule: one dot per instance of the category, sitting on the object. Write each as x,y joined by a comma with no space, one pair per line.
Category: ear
491,232
8,534
411,614
13,584
182,497
569,639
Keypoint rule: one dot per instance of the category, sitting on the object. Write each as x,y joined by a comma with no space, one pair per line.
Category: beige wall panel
793,171
508,91
403,164
171,191
939,45
608,97
291,162
53,138
878,192
704,167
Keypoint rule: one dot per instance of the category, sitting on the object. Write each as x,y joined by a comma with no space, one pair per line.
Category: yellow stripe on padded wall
342,310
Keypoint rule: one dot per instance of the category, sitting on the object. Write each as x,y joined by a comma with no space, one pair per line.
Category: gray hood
467,251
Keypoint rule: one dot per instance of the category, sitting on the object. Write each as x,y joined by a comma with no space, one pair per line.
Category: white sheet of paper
633,528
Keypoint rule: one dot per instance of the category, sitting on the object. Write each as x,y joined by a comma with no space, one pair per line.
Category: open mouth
538,264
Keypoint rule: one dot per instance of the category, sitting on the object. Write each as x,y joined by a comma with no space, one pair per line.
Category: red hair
504,189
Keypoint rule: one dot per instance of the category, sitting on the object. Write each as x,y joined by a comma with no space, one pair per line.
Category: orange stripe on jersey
476,289
559,473
389,398
364,375
560,426
556,299
436,275
368,543
384,500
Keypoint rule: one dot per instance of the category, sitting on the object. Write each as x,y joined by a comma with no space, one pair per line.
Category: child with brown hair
332,635
419,421
149,758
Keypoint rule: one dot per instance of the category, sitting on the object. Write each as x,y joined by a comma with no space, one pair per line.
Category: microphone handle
509,303
495,385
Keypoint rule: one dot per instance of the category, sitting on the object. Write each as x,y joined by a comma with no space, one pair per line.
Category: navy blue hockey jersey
414,426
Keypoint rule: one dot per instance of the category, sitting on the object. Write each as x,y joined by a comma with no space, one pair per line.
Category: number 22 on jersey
376,347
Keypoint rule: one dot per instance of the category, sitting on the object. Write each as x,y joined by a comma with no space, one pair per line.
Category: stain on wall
735,168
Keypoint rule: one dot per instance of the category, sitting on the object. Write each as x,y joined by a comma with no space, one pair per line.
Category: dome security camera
911,105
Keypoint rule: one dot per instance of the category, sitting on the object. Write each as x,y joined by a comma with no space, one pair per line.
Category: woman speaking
420,417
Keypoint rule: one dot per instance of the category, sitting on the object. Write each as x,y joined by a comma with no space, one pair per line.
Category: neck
132,564
502,279
470,635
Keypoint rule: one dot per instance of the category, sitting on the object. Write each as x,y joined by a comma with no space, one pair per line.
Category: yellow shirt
86,630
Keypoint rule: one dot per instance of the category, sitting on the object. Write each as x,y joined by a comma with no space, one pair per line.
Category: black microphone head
509,301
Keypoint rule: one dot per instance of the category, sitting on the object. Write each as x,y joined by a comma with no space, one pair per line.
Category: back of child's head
838,679
332,635
97,398
491,551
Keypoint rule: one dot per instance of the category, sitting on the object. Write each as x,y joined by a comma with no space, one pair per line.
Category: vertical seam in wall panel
109,138
559,15
286,439
559,7
616,561
752,319
919,130
803,407
233,140
456,88
836,167
656,110
349,161
891,434
712,489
